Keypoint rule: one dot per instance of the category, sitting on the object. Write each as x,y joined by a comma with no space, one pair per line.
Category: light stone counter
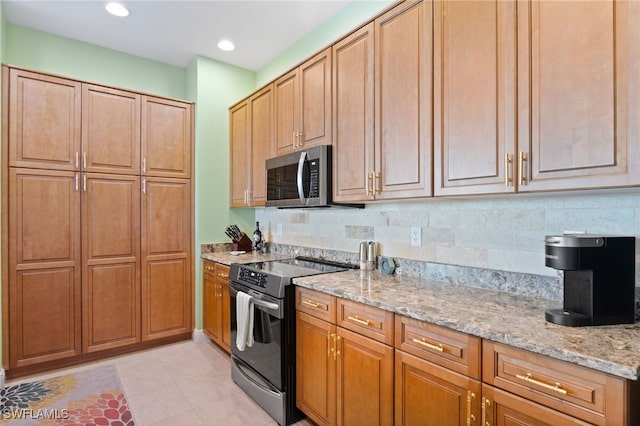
515,320
227,258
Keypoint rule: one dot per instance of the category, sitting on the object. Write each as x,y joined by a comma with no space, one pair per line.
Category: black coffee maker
599,278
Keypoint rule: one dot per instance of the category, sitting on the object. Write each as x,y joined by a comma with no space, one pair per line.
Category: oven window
265,356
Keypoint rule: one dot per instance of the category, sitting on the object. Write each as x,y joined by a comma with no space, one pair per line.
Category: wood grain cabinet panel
261,147
216,308
166,265
44,263
474,96
578,85
239,137
110,130
111,261
44,121
302,105
166,138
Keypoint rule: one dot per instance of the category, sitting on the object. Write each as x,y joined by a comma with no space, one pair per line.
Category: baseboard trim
199,337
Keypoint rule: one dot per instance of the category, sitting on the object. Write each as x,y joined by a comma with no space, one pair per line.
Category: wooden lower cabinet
342,377
427,394
217,320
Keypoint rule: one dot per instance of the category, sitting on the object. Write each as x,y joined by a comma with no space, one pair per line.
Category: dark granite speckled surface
508,318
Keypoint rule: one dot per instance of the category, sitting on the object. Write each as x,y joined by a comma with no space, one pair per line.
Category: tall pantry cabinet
98,212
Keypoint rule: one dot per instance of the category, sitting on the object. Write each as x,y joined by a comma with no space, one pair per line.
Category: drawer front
320,305
209,267
369,321
587,394
451,349
222,273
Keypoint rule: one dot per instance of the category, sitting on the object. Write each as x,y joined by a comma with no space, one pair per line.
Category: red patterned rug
91,397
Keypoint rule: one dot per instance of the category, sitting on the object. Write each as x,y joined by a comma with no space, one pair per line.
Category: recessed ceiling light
226,45
117,9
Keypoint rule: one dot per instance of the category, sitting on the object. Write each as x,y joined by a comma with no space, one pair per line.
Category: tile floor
182,384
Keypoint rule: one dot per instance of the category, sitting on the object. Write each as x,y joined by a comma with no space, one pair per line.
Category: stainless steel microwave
301,179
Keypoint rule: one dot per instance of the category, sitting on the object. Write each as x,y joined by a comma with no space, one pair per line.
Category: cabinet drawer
209,267
369,321
320,305
222,273
587,394
451,349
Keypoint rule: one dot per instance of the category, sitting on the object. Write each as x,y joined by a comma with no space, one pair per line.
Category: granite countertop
507,318
226,258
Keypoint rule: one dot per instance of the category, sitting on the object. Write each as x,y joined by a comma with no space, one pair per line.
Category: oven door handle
258,302
303,155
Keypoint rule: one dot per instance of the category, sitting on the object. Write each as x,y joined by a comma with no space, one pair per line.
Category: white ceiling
175,31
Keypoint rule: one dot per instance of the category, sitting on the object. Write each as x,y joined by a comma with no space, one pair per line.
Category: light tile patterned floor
181,384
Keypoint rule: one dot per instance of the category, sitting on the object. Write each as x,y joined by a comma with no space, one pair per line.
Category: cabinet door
44,263
365,380
261,109
110,130
353,116
315,369
44,121
111,261
403,101
578,85
474,96
427,394
239,134
166,262
166,138
315,101
286,111
225,326
211,309
503,408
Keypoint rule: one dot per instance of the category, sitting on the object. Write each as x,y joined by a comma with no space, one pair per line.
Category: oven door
266,356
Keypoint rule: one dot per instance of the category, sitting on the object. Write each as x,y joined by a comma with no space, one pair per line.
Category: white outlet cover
416,236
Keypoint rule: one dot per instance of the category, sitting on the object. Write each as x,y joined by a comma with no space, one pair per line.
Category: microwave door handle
303,155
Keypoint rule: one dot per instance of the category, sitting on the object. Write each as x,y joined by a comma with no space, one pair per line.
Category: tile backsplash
497,233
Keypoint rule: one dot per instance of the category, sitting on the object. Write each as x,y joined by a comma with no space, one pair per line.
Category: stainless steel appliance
266,371
599,278
301,179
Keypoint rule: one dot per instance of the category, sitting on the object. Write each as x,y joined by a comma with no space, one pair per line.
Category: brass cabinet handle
507,176
223,275
376,187
144,186
437,347
328,344
311,304
359,321
485,404
336,351
84,183
293,140
84,159
557,387
522,157
77,159
370,190
144,165
470,417
77,177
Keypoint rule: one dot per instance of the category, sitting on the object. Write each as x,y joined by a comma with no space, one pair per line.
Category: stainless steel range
266,370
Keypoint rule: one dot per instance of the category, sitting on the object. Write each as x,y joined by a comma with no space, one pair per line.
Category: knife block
244,243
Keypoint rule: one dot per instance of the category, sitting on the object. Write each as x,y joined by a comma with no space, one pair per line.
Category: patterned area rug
91,397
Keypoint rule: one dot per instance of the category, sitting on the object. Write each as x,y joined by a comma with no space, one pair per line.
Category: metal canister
372,255
363,255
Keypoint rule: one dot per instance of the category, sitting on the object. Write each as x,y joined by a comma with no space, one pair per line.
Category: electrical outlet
279,229
416,236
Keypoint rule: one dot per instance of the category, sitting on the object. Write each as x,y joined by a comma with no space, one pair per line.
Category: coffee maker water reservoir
599,278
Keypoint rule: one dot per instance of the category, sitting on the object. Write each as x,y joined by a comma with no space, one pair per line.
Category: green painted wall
348,19
42,51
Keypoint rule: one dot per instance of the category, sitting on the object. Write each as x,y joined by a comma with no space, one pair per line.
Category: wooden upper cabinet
166,138
302,105
474,96
353,116
239,138
110,130
403,72
261,126
578,87
44,121
111,261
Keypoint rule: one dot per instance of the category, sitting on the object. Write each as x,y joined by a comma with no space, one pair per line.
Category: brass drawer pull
437,347
223,275
359,321
557,387
311,304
